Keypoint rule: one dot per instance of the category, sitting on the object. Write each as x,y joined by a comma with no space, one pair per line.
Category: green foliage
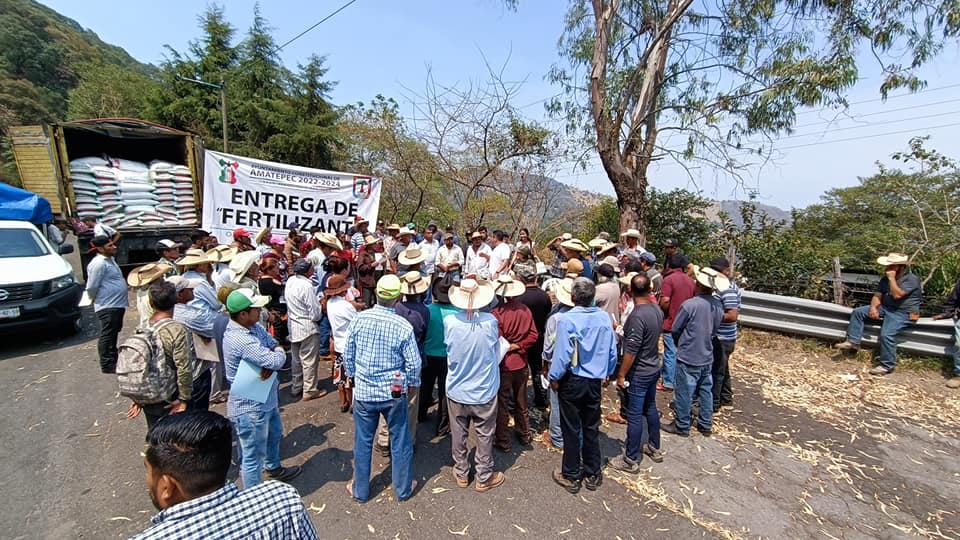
601,217
108,90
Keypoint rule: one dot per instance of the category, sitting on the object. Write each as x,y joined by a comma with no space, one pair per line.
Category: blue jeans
669,359
325,333
893,322
366,415
689,378
556,435
642,411
258,434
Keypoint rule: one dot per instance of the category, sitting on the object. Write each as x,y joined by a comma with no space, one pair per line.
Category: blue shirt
204,292
473,357
271,510
589,331
254,345
730,299
380,344
587,268
694,328
105,283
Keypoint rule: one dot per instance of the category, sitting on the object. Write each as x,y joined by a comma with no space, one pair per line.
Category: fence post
837,282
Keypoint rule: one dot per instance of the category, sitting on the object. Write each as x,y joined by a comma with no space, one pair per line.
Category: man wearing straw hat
584,358
140,279
693,330
477,258
516,326
220,257
632,251
245,271
575,249
473,380
410,258
896,303
360,226
404,239
382,358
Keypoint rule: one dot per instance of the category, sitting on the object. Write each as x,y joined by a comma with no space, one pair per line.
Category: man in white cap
169,252
258,425
473,380
896,303
382,358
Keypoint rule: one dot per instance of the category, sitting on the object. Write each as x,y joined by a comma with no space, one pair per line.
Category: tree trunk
631,203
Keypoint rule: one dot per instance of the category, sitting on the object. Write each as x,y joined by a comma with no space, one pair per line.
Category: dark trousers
199,401
512,401
111,322
434,373
722,392
580,417
641,412
535,361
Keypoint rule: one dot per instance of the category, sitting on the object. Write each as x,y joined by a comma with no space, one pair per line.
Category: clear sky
385,47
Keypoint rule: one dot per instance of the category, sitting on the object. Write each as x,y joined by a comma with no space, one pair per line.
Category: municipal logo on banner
252,194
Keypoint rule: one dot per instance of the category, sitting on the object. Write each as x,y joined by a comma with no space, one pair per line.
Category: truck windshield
21,243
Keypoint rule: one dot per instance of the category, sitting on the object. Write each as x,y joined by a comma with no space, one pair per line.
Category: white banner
251,194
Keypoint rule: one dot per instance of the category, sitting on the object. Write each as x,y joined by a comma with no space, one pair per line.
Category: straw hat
597,242
575,244
612,261
564,292
605,247
370,239
412,255
241,263
627,278
328,239
222,253
893,258
708,277
476,234
471,294
507,286
146,274
414,283
566,236
405,231
264,233
393,227
630,233
573,266
193,257
336,285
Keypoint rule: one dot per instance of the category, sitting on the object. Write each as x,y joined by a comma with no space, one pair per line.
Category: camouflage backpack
143,373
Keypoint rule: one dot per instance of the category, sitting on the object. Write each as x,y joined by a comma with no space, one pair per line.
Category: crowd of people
402,322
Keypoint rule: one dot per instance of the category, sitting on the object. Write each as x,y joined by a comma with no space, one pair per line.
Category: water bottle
396,389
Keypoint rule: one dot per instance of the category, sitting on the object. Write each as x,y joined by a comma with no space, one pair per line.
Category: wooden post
837,282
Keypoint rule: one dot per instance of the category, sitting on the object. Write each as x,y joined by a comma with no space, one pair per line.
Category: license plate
11,313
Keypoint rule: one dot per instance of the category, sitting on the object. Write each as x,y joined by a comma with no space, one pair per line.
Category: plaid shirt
267,511
380,343
254,345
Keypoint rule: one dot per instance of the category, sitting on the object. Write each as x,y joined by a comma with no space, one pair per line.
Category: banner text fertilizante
289,203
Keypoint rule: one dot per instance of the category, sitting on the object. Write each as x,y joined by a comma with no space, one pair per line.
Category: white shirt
303,308
447,256
429,264
103,230
500,254
221,276
476,264
340,313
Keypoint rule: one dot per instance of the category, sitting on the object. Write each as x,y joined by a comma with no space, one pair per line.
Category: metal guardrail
829,321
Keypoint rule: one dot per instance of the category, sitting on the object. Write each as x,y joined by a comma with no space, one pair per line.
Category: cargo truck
44,153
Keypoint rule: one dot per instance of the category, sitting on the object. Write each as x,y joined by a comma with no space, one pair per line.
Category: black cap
670,243
605,270
719,263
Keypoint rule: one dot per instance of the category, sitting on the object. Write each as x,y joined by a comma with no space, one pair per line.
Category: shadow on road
45,340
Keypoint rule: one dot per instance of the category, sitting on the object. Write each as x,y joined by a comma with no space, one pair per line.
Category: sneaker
880,371
706,432
621,463
461,482
283,474
616,418
495,480
954,382
846,346
593,482
672,428
572,486
653,453
310,396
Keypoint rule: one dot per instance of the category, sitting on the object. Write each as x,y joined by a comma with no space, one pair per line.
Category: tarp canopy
22,205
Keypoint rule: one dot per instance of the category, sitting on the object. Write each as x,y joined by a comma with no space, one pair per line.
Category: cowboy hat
241,263
370,239
222,253
612,261
393,227
404,231
607,246
471,294
708,277
414,283
328,239
893,258
412,255
597,242
507,286
142,276
336,285
476,234
193,257
630,233
573,266
575,244
627,278
264,233
358,220
564,292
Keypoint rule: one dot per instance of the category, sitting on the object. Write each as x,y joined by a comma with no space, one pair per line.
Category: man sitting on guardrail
951,309
896,304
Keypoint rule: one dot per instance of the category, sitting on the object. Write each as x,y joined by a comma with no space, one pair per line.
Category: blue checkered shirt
380,343
267,511
254,345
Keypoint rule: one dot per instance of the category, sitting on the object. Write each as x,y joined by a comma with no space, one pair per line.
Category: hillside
732,209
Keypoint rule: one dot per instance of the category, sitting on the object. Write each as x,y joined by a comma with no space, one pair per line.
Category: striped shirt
105,283
303,308
730,298
380,344
256,346
267,511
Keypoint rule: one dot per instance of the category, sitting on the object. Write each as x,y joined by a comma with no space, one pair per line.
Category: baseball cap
388,287
650,258
242,299
182,283
670,243
719,263
302,266
448,235
167,244
237,233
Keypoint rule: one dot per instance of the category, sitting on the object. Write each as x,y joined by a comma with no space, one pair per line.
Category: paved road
783,464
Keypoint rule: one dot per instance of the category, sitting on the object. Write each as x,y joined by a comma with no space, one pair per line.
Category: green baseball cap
388,287
242,299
